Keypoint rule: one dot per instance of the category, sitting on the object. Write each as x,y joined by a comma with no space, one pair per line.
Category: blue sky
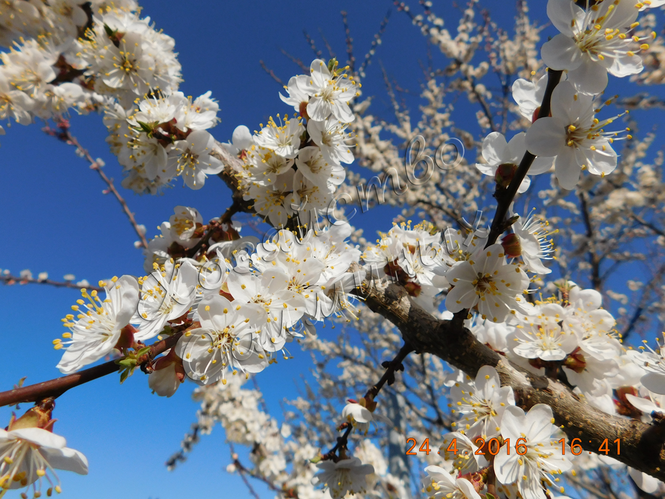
55,219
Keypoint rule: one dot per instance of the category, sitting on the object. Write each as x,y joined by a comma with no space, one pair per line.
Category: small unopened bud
167,376
504,174
575,361
126,339
511,245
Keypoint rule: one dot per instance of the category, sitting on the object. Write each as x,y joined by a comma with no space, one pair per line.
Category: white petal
654,382
562,13
546,137
561,52
567,169
590,76
495,148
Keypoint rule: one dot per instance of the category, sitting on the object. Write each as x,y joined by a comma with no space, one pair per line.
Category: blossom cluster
236,302
77,55
243,305
295,163
490,280
591,44
164,136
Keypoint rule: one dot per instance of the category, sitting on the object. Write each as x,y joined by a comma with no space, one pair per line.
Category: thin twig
312,45
375,43
242,471
349,42
594,259
271,73
9,280
63,133
389,377
296,60
506,197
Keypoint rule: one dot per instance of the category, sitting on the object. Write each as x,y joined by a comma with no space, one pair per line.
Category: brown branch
243,470
10,280
349,42
594,259
271,73
58,386
641,445
505,196
63,133
391,367
644,223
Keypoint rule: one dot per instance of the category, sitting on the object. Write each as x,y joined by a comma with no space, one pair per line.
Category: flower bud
504,174
511,245
575,361
167,376
126,339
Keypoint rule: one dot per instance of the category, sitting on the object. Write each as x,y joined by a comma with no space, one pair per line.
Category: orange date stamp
493,445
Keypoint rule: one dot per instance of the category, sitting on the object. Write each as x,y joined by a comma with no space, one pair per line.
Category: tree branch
641,445
58,386
65,135
10,280
505,196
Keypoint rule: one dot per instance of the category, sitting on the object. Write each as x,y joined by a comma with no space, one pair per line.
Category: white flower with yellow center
284,139
166,294
442,485
594,42
191,159
321,172
486,282
98,324
264,165
481,404
30,456
344,476
653,362
331,136
574,135
543,337
534,245
533,454
328,94
283,308
225,341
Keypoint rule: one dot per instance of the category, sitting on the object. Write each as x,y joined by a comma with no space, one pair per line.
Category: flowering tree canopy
485,359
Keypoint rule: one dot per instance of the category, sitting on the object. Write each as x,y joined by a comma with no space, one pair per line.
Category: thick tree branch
641,445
